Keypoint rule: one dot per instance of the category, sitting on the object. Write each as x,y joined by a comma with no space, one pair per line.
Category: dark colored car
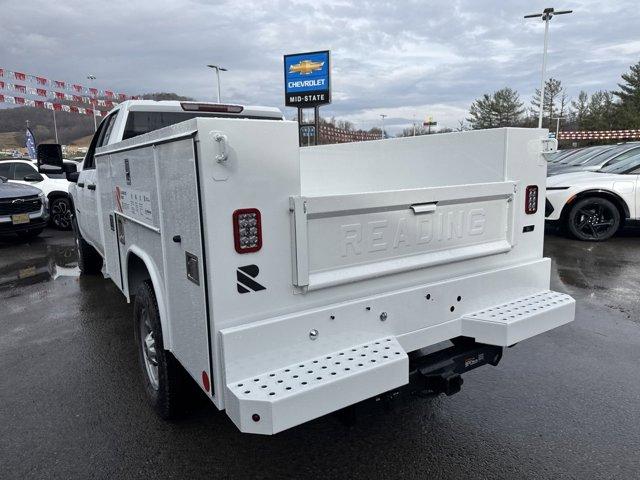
23,209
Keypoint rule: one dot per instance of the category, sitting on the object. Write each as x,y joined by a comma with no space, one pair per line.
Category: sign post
307,84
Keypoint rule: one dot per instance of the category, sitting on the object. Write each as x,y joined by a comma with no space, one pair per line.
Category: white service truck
292,282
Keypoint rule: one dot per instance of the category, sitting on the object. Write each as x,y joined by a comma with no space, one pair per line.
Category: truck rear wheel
89,260
162,375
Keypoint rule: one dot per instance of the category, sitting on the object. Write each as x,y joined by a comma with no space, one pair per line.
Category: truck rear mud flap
273,401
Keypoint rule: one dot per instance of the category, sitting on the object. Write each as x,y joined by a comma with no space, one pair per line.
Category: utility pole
546,15
218,69
92,78
382,115
557,119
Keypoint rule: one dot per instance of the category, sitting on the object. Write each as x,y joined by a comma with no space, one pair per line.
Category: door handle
423,208
91,186
81,184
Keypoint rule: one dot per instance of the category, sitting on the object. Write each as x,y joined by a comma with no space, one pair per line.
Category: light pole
218,69
546,15
55,126
557,119
95,123
382,115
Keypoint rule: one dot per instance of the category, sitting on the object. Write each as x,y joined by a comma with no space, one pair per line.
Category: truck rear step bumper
509,323
273,401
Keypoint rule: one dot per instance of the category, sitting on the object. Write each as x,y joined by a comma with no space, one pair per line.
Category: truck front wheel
162,375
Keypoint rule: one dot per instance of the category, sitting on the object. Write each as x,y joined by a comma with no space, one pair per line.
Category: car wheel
89,260
163,377
60,213
29,234
593,219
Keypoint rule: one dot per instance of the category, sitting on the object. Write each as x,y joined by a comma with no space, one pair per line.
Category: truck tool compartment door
344,238
183,255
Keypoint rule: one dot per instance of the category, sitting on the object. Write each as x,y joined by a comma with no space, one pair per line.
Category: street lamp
546,15
218,69
95,123
382,115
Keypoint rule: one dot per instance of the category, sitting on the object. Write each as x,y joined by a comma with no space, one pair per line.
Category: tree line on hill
71,126
602,110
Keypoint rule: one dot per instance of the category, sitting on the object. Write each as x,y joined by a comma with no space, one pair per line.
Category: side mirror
49,158
71,172
33,177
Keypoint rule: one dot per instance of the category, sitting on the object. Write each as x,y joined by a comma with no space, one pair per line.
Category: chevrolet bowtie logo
305,67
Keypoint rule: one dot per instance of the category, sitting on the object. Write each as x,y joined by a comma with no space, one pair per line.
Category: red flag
77,98
19,76
1,72
59,95
74,109
108,93
19,100
93,91
59,84
57,107
88,111
78,88
39,103
108,104
41,80
1,98
20,88
1,85
122,97
41,92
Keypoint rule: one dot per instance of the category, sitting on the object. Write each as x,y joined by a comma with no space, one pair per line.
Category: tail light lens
247,230
531,199
211,107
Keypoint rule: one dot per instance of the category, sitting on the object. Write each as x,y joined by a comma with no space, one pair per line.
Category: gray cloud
403,58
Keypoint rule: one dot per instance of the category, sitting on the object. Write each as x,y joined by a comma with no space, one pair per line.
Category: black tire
593,219
29,234
89,260
165,388
60,213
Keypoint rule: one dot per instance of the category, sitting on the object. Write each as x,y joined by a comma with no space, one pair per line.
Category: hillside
73,128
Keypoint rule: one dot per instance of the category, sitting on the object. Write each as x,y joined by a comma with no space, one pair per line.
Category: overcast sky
403,58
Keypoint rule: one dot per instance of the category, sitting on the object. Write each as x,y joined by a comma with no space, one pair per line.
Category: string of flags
35,86
62,85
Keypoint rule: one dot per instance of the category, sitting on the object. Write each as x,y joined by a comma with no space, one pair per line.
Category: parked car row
30,199
592,192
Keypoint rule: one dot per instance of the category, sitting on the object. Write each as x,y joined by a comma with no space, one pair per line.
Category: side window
96,141
5,170
22,170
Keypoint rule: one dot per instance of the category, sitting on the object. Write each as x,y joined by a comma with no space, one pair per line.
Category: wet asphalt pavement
565,404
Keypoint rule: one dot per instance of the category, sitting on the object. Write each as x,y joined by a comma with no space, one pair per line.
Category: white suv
54,186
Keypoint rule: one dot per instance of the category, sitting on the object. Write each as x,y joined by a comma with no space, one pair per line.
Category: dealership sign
307,79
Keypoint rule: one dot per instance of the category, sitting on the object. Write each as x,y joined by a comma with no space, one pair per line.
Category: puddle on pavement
44,263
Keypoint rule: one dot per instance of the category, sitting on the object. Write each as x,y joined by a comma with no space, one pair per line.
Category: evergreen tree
629,96
502,108
555,100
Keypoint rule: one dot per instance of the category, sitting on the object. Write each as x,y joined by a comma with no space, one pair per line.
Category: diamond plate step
512,322
274,401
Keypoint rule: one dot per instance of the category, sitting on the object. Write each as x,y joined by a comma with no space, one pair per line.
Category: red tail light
211,107
531,199
247,230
